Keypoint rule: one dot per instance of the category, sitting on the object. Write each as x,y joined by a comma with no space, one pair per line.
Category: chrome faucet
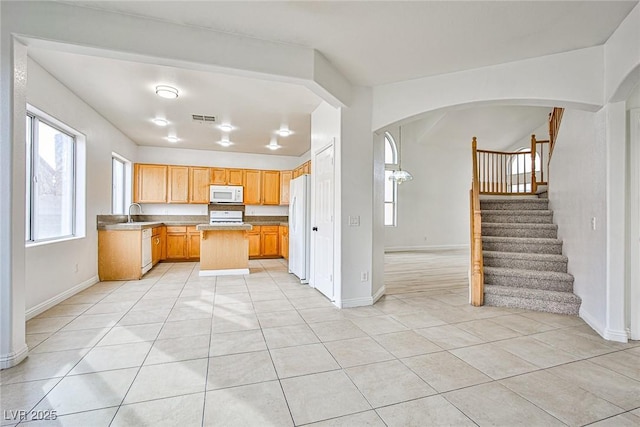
129,219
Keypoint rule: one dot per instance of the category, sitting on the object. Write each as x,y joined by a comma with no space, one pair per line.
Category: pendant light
400,176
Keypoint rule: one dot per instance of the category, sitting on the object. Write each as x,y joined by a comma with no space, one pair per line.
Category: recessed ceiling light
173,139
167,91
225,127
160,122
225,142
273,145
284,132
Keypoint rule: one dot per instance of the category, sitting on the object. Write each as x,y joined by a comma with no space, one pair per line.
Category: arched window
521,170
390,187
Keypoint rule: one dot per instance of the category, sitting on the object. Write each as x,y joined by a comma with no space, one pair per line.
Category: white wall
51,268
622,58
356,198
566,79
577,193
433,209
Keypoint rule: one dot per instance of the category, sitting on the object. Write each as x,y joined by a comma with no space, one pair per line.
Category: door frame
633,310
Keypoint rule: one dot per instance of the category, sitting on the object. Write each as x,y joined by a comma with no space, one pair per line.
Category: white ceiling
124,93
370,42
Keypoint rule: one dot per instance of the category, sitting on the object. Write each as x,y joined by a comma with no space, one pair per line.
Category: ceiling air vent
203,119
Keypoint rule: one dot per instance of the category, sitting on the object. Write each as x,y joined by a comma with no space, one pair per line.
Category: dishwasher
146,250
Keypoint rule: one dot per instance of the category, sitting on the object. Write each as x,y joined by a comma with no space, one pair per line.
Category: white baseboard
46,305
379,294
356,302
425,248
606,333
12,359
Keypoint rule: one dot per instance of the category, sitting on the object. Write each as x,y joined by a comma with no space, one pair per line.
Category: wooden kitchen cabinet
252,186
199,185
183,242
269,241
218,176
119,254
254,241
235,177
178,187
283,232
270,187
285,184
193,243
158,244
306,167
150,183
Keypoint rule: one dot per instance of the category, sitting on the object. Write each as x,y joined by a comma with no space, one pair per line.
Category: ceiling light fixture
225,127
400,176
284,132
168,92
225,142
159,121
273,145
173,139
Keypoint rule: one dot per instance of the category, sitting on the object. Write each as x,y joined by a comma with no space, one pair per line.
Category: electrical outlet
354,221
77,269
593,223
364,276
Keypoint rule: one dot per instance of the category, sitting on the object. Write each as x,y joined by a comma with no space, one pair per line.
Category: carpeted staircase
523,262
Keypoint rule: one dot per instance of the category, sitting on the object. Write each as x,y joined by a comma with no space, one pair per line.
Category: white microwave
226,194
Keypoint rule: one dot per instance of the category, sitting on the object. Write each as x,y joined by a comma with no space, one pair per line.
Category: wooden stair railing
555,117
477,268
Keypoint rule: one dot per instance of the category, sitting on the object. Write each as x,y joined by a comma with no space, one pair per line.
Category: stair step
532,299
536,216
505,203
520,230
530,279
526,261
522,245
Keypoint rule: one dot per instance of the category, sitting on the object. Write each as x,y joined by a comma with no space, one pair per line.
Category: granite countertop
139,225
257,223
119,222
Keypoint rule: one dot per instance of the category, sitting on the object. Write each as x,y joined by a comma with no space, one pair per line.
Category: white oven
226,194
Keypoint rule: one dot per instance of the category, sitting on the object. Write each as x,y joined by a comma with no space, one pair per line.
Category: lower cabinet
283,232
158,244
183,242
264,241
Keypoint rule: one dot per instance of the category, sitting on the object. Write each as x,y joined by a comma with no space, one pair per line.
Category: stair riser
529,283
531,304
523,264
514,205
532,248
550,233
524,218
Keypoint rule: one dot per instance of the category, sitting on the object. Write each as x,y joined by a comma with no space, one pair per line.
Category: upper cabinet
285,181
252,187
270,187
150,183
190,184
199,185
178,189
224,176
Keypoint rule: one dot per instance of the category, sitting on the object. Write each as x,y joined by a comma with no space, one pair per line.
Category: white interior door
323,227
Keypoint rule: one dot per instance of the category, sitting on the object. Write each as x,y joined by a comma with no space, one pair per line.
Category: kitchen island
224,249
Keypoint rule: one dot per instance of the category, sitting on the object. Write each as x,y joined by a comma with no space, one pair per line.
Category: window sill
51,242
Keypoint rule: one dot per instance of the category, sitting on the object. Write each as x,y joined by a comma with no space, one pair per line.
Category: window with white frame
520,169
390,187
120,184
52,181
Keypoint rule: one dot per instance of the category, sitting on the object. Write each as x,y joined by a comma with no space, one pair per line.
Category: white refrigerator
300,227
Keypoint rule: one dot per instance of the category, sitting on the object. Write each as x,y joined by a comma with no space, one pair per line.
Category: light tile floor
175,349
